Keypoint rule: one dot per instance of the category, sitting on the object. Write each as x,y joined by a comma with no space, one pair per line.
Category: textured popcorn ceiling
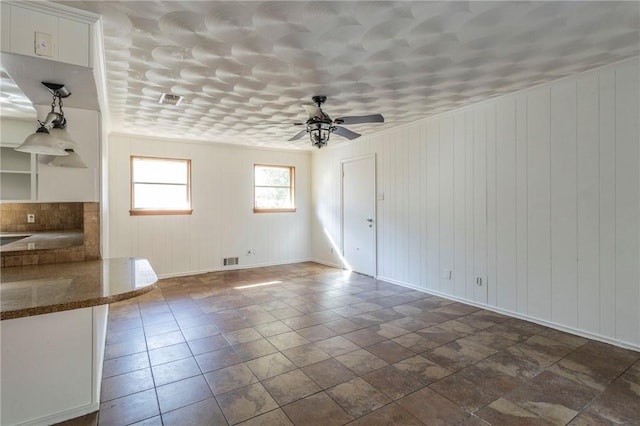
246,68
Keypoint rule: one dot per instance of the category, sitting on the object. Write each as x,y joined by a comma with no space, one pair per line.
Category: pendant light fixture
70,160
52,138
41,142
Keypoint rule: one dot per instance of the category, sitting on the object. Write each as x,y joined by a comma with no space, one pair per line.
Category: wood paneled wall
537,192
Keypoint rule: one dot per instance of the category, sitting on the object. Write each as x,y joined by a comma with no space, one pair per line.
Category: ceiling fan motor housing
319,99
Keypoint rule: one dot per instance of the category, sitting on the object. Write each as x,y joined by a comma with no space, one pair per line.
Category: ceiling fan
320,125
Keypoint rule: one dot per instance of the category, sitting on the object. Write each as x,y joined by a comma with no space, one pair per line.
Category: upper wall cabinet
43,31
18,170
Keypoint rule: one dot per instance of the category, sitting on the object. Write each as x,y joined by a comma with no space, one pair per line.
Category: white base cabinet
51,366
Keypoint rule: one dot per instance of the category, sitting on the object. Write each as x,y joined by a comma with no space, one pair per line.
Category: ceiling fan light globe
319,133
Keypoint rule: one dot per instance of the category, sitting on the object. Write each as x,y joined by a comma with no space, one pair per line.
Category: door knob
370,220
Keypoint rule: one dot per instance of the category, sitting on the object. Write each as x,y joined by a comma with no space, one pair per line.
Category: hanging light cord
61,122
59,103
55,119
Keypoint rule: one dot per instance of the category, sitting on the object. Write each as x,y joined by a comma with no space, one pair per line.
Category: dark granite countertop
42,240
42,289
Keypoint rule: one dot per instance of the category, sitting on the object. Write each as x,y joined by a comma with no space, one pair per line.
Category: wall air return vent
169,99
230,261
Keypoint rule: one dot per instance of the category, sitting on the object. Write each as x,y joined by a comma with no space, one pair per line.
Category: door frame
375,208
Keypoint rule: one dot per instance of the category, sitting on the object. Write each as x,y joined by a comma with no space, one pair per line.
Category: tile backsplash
52,217
48,216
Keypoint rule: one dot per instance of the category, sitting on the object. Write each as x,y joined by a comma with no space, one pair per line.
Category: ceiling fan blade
298,135
375,118
313,111
346,133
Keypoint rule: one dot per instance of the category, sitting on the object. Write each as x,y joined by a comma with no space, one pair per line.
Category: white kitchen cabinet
56,33
73,39
5,29
18,170
18,176
52,365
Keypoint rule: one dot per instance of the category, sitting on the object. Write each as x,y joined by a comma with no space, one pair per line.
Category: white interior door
359,214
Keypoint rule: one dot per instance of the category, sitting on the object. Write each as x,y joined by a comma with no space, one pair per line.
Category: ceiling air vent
169,99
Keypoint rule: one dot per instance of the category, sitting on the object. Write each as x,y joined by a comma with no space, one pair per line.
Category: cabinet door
24,25
73,42
5,29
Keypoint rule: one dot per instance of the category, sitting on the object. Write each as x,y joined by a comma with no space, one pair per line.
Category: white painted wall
537,192
223,223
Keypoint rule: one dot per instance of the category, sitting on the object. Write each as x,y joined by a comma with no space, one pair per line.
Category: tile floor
305,344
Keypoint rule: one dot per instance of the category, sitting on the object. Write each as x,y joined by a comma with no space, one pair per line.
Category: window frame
292,192
157,212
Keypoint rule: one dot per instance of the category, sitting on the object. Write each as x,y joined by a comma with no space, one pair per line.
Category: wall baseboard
582,333
235,267
65,415
560,327
325,263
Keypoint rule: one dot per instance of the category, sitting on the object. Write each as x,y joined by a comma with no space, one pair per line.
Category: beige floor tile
465,393
336,346
205,412
317,410
270,365
175,370
230,378
305,355
129,409
390,351
272,418
328,373
432,408
504,412
126,384
182,393
247,402
393,382
273,355
361,361
287,340
290,386
357,397
553,397
391,414
424,370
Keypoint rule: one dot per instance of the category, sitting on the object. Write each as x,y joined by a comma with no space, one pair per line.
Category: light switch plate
43,44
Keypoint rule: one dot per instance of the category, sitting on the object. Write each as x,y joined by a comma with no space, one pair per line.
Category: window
273,190
160,186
